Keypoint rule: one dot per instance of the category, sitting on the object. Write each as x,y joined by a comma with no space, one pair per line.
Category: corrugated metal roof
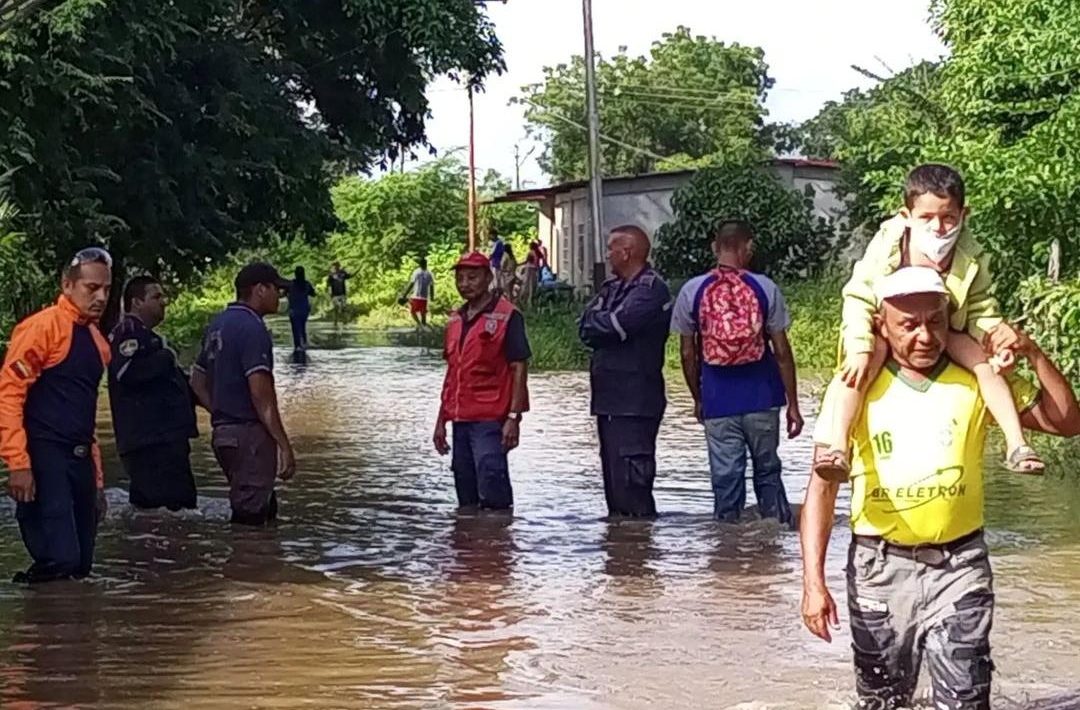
542,193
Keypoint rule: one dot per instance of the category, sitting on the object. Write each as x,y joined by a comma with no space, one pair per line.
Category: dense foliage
388,223
180,135
875,135
692,101
791,240
26,286
1004,108
1052,313
404,214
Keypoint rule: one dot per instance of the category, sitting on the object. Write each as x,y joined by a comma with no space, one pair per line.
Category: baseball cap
259,272
909,281
473,260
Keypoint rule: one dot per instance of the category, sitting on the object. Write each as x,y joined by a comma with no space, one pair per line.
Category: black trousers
160,476
628,458
59,527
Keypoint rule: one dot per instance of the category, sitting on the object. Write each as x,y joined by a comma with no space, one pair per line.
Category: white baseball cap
908,281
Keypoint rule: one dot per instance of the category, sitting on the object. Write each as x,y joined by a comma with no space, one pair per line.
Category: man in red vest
485,391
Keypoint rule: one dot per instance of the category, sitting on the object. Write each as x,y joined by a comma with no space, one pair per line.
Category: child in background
928,232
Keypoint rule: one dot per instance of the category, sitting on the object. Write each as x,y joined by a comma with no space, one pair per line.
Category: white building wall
646,202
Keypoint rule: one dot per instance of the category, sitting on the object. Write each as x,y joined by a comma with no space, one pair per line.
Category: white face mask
937,248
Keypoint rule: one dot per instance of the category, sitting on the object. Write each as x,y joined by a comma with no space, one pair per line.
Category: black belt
79,451
931,553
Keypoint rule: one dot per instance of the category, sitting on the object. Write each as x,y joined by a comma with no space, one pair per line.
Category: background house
645,200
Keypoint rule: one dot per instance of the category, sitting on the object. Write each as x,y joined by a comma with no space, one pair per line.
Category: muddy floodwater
373,593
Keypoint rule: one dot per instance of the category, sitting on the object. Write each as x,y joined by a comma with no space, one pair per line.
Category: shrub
1052,318
26,285
791,241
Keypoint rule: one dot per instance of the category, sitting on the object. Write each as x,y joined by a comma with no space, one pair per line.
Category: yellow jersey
917,465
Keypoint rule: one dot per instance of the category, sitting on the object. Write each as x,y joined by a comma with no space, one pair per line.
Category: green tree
505,218
790,240
877,135
1011,82
400,214
26,285
179,136
693,100
1003,108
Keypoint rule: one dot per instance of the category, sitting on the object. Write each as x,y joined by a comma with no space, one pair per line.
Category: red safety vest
478,385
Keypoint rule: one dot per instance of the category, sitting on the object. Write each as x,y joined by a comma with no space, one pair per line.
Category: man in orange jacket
48,411
485,392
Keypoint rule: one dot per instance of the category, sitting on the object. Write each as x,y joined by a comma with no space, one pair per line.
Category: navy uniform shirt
148,392
626,326
236,346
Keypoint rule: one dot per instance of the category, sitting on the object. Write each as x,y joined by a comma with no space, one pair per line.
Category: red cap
473,260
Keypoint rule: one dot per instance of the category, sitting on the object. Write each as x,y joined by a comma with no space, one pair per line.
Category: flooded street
372,593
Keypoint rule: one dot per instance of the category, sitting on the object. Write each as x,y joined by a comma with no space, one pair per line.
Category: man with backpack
626,327
738,364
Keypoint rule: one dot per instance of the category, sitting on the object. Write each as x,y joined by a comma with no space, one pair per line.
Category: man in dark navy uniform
152,409
233,377
626,326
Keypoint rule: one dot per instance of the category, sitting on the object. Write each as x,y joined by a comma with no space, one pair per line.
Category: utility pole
596,189
472,174
518,162
472,153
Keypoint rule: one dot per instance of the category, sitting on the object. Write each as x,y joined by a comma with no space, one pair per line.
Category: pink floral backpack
730,309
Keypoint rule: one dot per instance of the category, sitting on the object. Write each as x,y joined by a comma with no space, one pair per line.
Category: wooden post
472,174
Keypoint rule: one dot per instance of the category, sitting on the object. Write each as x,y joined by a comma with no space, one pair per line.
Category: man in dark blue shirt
153,415
233,378
626,326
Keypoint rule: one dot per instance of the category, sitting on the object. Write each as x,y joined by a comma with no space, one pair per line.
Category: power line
614,141
677,102
712,92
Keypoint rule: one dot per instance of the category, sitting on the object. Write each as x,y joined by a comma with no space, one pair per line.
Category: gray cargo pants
939,604
249,457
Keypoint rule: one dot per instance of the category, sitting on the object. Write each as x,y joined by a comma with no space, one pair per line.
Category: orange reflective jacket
39,346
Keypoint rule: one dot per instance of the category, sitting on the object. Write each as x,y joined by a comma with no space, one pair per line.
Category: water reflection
53,649
372,592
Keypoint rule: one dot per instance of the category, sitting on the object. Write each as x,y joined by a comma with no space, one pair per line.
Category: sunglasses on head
91,255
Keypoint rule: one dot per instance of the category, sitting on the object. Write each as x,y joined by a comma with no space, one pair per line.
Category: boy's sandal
1025,459
833,465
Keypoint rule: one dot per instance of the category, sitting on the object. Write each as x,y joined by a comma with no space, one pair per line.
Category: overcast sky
809,46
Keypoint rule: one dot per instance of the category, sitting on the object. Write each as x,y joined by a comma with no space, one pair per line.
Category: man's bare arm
1057,411
264,398
519,399
691,364
785,359
200,387
815,528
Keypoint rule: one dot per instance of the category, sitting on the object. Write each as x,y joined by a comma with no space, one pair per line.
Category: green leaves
403,214
693,100
26,285
791,241
1052,312
1003,108
180,136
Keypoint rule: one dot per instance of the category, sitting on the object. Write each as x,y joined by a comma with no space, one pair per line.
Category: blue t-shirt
735,390
236,346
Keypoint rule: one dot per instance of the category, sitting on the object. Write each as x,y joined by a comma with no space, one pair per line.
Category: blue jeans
729,439
481,471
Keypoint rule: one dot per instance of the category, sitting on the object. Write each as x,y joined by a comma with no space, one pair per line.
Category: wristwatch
514,416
